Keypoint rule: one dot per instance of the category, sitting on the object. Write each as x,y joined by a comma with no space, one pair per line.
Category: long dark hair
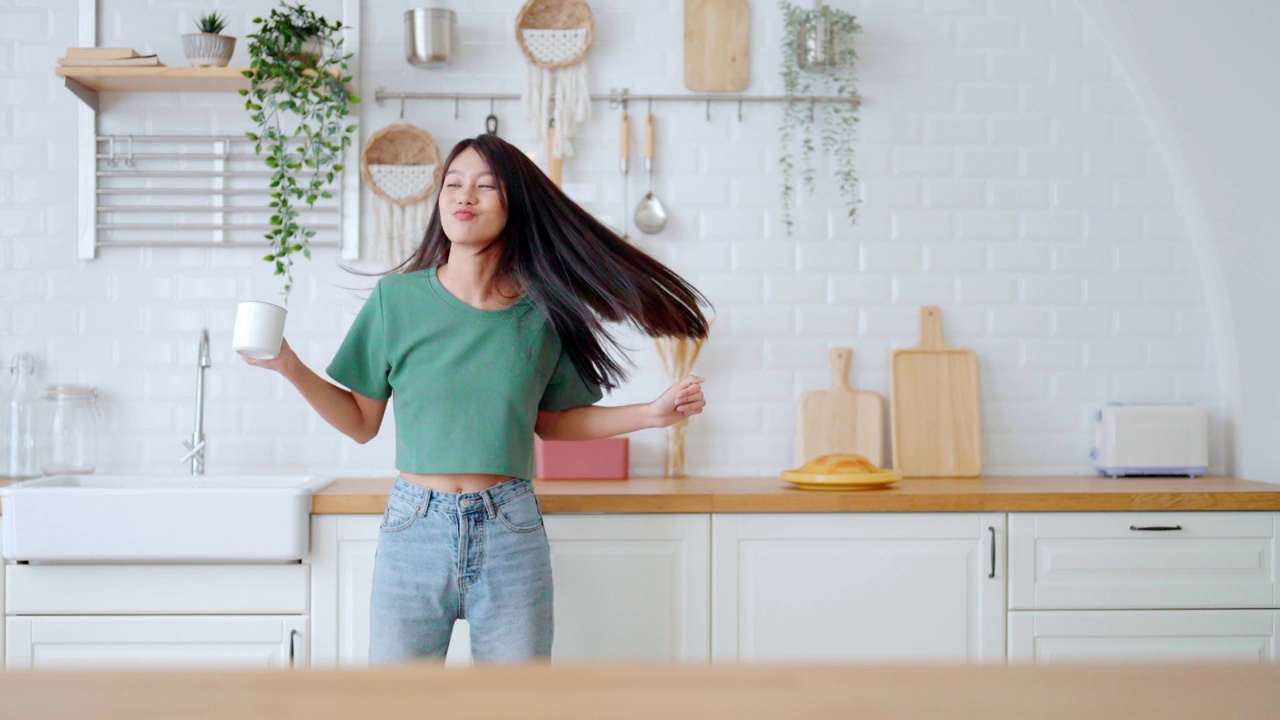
579,272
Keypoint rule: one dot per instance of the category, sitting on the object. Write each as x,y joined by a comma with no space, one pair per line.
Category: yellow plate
840,481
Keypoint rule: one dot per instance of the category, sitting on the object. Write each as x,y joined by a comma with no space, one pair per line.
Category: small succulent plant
213,23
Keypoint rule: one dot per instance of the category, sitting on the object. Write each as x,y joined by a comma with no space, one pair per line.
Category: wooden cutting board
840,420
933,406
716,45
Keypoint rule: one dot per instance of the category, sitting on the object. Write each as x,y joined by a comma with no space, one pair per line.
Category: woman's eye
487,186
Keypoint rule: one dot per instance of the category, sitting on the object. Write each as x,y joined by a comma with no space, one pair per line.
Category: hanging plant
818,58
298,96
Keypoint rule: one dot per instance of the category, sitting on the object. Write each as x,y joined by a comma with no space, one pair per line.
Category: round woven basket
400,144
555,15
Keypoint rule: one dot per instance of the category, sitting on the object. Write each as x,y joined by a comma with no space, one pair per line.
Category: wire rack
192,191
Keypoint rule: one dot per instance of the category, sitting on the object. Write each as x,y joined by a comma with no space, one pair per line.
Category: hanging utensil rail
617,98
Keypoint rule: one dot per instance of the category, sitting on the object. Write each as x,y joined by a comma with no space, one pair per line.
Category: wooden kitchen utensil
840,420
933,400
716,43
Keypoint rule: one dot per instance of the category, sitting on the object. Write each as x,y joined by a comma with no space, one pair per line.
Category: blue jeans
479,556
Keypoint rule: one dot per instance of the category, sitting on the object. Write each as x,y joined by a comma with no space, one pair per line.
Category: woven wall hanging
400,164
554,36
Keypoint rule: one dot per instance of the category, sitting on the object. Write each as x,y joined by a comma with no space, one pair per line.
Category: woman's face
471,209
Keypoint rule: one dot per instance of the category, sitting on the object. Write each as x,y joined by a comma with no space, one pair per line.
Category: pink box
606,459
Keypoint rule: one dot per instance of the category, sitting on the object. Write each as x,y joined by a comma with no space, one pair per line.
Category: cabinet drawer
1143,636
156,589
1142,560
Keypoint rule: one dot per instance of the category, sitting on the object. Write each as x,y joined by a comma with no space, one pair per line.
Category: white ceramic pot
259,329
207,49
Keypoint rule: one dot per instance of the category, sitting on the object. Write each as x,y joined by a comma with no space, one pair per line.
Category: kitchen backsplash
1009,176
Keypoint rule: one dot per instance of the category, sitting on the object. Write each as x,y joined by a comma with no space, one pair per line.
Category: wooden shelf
154,79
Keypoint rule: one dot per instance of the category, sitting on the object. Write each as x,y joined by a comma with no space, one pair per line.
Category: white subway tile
1144,194
1144,257
1178,353
892,257
1082,323
987,33
1115,162
1021,322
1051,163
923,161
762,321
1114,353
1083,259
760,386
1086,386
955,7
1174,291
1021,8
20,286
987,98
703,256
1020,129
763,256
893,193
954,65
826,322
794,289
988,162
1053,97
1019,257
988,224
1021,194
728,289
830,257
1146,322
1109,98
861,290
1144,386
1084,195
924,290
1059,290
952,257
1018,66
955,194
1080,129
44,319
1115,291
988,289
949,129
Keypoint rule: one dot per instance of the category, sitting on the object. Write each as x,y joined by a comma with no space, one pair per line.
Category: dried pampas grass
678,357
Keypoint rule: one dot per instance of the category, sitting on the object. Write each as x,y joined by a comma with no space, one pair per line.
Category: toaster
1154,439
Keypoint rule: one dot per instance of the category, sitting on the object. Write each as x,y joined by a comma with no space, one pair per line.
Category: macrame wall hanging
400,164
554,36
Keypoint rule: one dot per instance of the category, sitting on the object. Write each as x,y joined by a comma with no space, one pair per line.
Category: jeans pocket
521,515
399,515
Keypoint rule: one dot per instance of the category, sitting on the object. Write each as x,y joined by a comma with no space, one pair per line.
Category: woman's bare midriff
456,483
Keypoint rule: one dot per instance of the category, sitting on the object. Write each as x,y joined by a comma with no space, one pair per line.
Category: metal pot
430,37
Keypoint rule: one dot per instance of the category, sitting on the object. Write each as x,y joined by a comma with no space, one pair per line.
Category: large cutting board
933,406
716,43
840,420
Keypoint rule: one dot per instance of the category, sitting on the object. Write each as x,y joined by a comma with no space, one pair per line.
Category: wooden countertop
772,495
672,692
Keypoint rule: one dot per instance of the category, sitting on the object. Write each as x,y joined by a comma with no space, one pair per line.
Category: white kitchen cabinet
1118,560
42,642
1143,587
156,615
627,587
861,587
1143,636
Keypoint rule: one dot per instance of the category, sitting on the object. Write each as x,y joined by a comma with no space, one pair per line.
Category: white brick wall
1008,176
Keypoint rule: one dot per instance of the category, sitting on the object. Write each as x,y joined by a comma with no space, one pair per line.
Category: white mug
259,329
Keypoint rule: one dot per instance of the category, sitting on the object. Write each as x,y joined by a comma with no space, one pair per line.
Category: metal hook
456,102
651,106
491,106
226,148
739,110
111,150
811,104
401,108
128,160
708,109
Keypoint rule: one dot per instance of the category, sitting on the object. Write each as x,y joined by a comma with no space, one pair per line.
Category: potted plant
818,59
299,99
209,48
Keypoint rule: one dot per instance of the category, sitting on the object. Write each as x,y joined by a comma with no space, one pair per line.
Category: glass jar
71,436
18,459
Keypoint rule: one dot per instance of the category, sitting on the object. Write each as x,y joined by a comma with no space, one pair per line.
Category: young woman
491,332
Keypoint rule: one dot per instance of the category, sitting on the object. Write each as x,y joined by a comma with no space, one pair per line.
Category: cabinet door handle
993,552
1156,528
293,636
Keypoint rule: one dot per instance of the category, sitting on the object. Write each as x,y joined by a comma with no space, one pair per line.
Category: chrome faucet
196,444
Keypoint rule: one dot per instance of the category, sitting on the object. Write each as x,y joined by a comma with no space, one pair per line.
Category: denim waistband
475,502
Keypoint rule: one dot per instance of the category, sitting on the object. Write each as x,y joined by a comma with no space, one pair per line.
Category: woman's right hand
280,363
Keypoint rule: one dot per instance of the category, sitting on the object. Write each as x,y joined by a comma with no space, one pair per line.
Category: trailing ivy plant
298,96
804,30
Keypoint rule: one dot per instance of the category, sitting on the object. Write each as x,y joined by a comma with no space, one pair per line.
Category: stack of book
107,57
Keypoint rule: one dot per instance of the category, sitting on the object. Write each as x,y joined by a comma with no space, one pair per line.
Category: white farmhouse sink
150,519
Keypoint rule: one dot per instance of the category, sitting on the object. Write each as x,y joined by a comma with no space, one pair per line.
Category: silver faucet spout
197,445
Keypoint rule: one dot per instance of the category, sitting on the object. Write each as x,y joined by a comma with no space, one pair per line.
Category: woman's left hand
679,402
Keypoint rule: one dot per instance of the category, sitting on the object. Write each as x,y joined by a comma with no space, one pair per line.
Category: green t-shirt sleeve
567,388
361,363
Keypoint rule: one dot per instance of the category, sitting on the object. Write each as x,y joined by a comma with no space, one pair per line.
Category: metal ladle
651,218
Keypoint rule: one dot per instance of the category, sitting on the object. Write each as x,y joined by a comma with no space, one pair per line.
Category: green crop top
468,383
